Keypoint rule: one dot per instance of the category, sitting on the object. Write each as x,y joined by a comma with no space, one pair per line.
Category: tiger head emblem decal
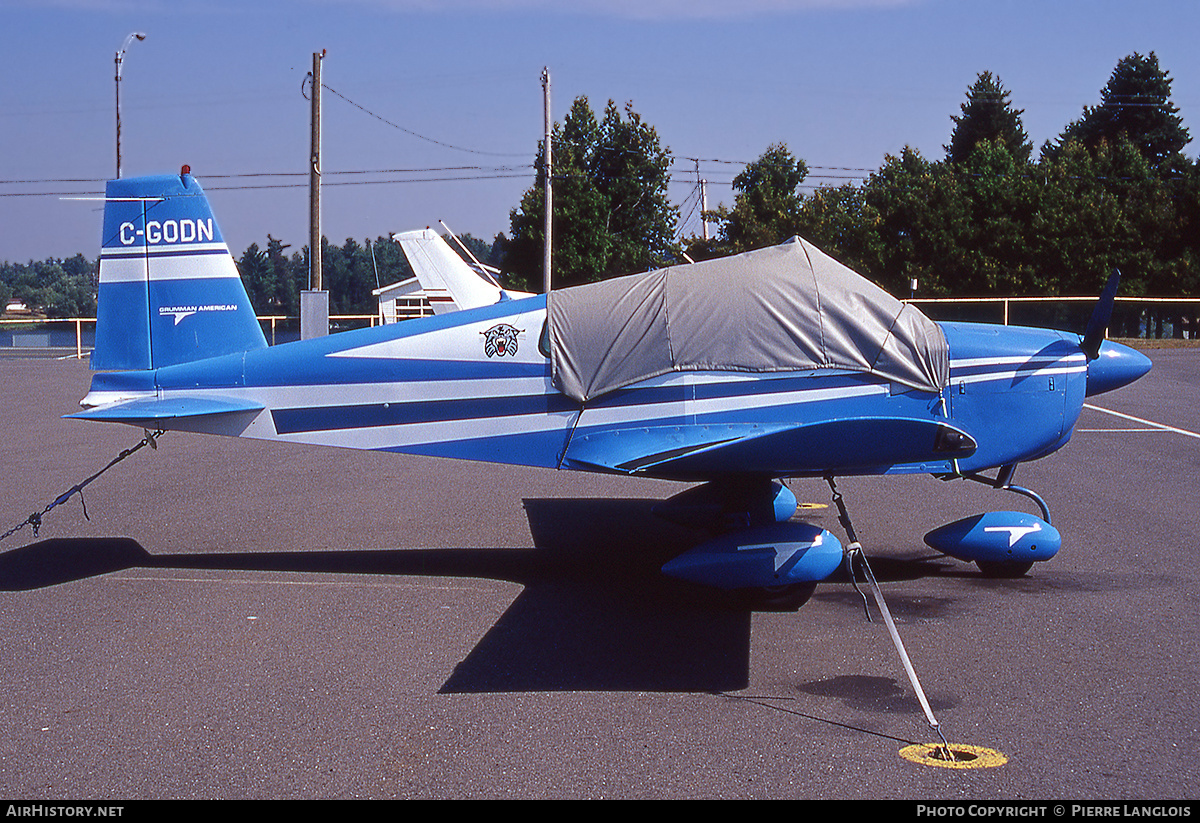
500,340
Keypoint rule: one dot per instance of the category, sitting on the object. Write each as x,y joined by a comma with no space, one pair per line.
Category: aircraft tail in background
169,290
448,282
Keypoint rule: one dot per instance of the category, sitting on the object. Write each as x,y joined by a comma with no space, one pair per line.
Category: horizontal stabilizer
151,410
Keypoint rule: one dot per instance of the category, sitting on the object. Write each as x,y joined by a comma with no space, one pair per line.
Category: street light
137,35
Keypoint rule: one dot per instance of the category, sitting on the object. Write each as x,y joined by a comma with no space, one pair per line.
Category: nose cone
1116,366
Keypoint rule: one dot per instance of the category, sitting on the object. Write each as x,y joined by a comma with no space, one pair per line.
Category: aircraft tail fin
169,290
448,282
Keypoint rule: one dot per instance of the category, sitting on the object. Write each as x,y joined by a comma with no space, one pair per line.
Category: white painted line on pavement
1160,426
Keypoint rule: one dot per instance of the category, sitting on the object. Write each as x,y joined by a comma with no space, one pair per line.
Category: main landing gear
767,561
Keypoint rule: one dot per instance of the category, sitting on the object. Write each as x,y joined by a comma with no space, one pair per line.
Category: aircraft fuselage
477,385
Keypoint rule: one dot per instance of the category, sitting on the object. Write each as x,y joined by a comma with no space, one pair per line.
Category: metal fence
76,336
1133,317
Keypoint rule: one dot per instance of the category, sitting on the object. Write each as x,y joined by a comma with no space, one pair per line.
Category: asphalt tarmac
237,619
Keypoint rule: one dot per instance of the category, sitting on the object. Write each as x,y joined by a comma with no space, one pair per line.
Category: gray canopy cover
784,308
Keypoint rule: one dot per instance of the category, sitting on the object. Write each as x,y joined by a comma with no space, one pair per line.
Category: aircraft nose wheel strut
854,553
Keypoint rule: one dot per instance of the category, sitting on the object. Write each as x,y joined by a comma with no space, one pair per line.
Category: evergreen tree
840,222
272,280
988,115
580,239
256,278
1135,105
997,241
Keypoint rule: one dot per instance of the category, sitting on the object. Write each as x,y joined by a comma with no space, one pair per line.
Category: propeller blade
1101,315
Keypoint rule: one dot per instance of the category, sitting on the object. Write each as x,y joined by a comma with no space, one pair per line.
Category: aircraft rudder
446,278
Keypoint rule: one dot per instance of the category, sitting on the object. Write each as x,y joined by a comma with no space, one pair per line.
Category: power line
528,175
509,170
288,173
412,133
484,173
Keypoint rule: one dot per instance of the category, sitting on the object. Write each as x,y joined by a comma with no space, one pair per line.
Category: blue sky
217,85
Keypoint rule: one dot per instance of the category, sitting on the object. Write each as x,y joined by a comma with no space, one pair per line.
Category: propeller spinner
1110,365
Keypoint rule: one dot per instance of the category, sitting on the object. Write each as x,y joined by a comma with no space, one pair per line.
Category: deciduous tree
612,215
766,208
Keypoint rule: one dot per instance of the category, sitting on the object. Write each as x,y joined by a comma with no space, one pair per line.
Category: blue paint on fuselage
308,362
1018,390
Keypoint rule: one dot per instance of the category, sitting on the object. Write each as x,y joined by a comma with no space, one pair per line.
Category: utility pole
314,180
703,201
314,302
549,185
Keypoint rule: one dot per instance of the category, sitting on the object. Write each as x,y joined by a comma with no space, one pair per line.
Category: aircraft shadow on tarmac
595,613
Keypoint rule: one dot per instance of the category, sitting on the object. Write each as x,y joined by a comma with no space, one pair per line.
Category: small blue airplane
735,374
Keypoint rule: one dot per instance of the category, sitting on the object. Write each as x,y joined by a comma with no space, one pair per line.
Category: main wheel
789,597
1003,571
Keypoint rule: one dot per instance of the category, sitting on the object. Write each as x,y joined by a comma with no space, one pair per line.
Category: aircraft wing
781,450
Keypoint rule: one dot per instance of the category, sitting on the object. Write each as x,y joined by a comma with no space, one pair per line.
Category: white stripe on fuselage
428,432
1011,360
1027,367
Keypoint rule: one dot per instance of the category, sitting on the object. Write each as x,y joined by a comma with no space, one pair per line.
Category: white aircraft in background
445,278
